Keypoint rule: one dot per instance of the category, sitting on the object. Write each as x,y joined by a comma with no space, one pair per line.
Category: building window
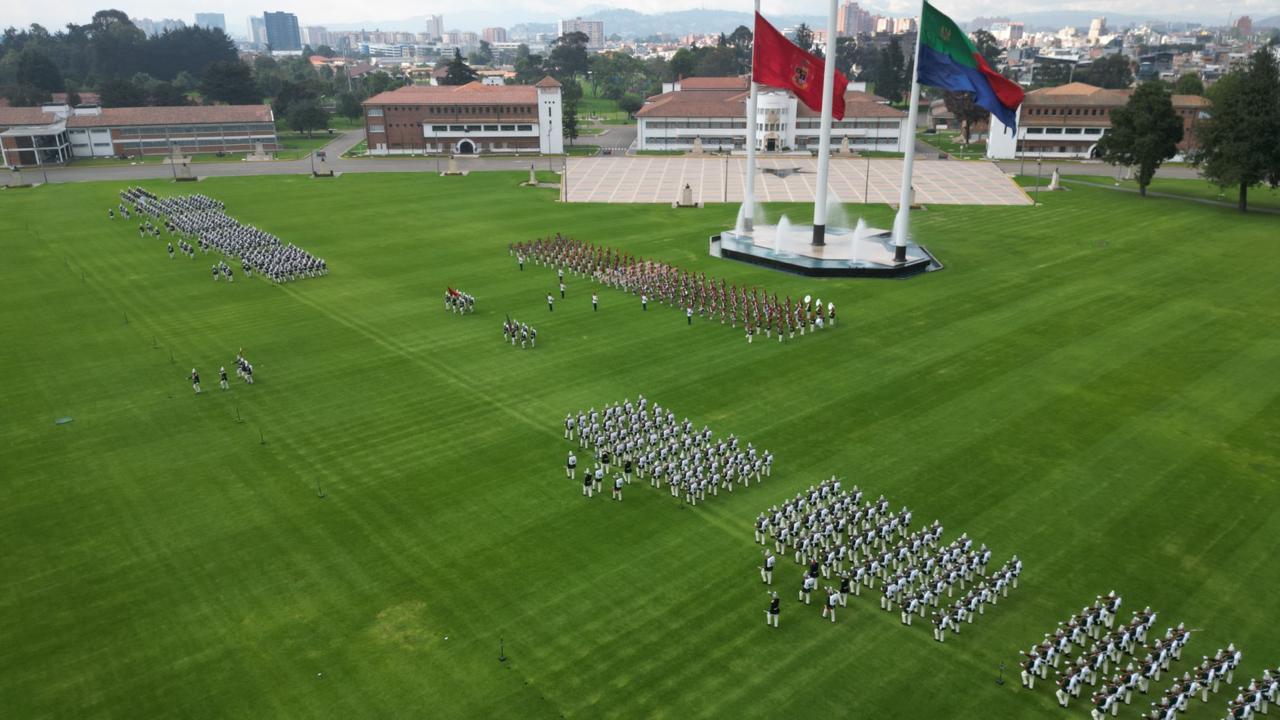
375,112
377,129
524,128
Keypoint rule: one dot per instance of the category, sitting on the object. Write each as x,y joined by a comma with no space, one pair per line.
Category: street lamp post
866,186
1037,200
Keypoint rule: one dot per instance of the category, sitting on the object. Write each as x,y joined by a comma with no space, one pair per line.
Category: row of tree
35,62
1238,145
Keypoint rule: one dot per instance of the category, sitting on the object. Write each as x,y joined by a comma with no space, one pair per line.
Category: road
617,138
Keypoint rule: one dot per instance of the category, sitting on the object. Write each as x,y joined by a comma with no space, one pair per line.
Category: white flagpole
749,190
901,222
824,140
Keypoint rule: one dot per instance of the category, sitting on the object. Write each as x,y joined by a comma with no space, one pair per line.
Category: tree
630,104
306,116
569,56
165,94
24,95
231,82
569,119
683,63
529,68
804,37
988,47
458,72
326,51
122,93
740,42
1189,84
890,74
1237,143
348,106
716,62
483,55
37,70
292,92
1144,133
186,81
966,110
1112,72
846,55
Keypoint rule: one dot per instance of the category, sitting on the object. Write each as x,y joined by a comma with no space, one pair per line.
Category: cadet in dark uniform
587,484
626,470
771,615
222,379
195,381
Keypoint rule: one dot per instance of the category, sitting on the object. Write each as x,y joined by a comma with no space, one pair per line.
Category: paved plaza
659,180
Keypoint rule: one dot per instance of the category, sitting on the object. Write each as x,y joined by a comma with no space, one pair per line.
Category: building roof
547,82
713,83
731,103
1077,93
473,93
1190,101
11,116
178,115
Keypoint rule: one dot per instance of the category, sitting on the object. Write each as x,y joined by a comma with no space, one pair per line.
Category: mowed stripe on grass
1088,384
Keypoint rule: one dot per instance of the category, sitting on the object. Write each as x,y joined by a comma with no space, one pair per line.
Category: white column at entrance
902,221
749,189
824,141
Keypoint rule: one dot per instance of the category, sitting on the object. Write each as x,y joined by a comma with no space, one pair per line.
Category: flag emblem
800,73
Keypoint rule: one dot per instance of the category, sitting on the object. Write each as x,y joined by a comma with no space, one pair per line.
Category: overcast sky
510,12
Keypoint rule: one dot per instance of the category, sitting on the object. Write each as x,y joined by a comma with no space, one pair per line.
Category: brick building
1068,121
466,119
55,134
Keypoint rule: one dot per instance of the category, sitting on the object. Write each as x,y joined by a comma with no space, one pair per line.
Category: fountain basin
847,253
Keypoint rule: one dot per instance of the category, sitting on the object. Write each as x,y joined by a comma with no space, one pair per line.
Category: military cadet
550,303
571,465
562,289
617,488
833,599
688,314
766,570
844,589
807,586
588,484
599,478
595,302
520,259
1030,668
568,426
771,615
222,379
942,621
644,302
626,469
195,381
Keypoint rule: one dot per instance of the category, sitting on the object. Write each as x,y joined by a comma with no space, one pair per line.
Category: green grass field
1259,197
1090,384
950,142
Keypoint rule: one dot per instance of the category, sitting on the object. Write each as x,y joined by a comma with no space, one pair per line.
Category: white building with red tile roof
54,134
714,110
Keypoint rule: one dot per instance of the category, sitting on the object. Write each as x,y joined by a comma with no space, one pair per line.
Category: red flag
778,62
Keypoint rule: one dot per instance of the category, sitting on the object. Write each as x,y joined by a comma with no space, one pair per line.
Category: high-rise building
1245,25
257,31
315,36
282,31
435,27
904,25
1097,28
593,29
158,27
211,21
852,20
494,35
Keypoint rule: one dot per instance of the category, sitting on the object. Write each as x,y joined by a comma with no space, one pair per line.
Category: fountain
779,235
859,234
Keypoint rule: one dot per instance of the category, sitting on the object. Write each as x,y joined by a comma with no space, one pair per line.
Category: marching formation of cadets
516,331
637,438
840,538
458,302
1103,645
1256,697
244,371
204,222
694,293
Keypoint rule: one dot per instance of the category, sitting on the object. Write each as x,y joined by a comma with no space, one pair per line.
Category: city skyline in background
238,14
